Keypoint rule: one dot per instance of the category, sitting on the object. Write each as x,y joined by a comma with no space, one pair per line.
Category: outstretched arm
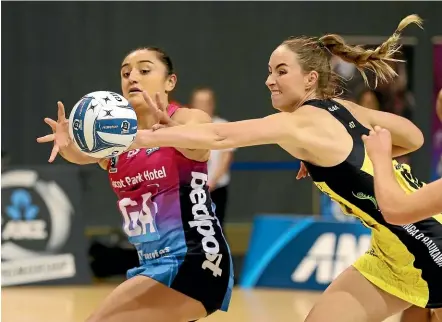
273,129
63,145
397,207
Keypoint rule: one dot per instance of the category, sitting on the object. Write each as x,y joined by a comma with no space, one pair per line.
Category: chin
136,100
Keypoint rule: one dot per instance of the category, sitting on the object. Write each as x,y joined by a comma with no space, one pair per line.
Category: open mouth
275,93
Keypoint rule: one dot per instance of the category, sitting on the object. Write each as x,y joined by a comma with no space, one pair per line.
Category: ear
171,82
310,79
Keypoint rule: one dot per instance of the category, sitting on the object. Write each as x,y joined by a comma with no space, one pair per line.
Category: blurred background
62,50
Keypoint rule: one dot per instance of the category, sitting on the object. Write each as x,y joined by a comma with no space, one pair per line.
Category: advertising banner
42,233
294,252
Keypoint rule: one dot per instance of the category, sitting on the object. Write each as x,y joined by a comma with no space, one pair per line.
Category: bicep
403,132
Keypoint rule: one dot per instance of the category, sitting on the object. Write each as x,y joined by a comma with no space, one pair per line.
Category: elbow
418,140
397,216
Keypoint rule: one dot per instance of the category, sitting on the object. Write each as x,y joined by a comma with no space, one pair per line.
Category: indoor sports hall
63,248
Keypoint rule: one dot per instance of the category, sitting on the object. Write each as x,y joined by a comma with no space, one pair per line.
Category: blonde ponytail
375,60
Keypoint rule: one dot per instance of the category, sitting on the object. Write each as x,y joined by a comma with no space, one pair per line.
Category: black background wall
60,51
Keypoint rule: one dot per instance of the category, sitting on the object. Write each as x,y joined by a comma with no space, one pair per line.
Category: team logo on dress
113,164
363,196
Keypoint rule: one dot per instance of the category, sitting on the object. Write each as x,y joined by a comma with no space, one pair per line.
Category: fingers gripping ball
102,124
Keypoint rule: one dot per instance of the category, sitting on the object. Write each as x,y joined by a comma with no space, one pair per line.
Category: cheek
124,85
153,82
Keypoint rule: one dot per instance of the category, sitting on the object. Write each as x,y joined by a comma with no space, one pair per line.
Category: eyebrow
140,61
279,65
282,64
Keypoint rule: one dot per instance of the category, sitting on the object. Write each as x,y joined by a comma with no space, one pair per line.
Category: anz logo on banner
301,252
330,255
36,225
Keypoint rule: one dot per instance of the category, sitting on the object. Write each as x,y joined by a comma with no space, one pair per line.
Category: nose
133,77
270,81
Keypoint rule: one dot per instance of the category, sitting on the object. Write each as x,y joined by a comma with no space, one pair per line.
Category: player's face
286,80
203,100
143,71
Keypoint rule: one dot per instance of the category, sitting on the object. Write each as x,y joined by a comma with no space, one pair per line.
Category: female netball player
401,268
393,201
185,270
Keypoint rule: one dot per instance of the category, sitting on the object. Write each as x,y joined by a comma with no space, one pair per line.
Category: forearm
210,136
74,155
388,192
389,195
177,137
398,207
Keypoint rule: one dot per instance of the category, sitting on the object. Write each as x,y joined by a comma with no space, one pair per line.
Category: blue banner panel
296,252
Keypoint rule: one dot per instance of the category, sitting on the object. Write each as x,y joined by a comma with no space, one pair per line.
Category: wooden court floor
74,304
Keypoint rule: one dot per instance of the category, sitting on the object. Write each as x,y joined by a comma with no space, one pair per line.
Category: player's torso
351,184
143,167
153,187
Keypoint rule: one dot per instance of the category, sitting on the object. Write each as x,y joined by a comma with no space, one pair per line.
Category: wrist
175,123
382,166
135,144
140,140
67,146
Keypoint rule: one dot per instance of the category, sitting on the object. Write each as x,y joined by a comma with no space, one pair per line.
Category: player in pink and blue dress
185,270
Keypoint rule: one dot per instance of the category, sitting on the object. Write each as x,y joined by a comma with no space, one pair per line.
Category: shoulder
290,124
354,107
318,121
362,114
309,115
188,115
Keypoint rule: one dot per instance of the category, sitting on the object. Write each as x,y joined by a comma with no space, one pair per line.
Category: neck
146,119
308,96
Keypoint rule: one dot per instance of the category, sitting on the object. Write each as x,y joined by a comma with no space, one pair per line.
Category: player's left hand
378,143
158,108
60,135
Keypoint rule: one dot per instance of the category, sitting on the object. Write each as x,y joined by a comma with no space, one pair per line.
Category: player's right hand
378,144
159,109
60,135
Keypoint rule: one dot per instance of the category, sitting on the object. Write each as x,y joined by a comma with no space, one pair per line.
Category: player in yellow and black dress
404,264
393,201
